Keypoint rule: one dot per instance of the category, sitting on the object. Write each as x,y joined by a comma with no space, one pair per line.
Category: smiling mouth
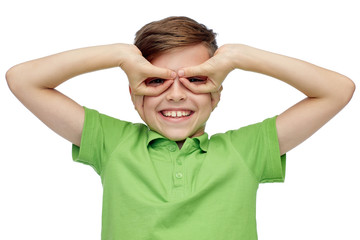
176,114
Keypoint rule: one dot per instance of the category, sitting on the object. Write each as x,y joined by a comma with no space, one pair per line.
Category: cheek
149,106
148,101
205,103
206,99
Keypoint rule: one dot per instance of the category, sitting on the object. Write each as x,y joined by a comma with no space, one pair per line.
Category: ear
215,98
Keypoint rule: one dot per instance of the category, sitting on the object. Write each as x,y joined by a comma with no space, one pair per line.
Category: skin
327,92
34,83
179,98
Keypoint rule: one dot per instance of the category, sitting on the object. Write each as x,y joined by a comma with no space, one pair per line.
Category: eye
153,82
197,79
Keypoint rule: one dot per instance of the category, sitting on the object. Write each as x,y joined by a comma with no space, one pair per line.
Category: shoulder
247,138
248,131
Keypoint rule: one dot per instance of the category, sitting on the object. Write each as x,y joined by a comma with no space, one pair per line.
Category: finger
206,87
154,71
153,91
207,68
200,70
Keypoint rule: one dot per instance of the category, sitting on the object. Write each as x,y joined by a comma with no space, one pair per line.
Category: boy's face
178,113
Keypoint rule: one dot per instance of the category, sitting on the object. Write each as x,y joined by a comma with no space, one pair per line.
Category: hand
215,69
138,70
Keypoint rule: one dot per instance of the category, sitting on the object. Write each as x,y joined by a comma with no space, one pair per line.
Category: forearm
327,91
51,71
313,81
33,82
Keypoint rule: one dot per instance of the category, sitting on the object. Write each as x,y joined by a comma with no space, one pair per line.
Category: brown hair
173,32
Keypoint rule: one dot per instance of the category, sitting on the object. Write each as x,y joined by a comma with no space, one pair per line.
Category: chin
181,135
176,137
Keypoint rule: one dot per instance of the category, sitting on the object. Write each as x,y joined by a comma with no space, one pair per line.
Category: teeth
175,114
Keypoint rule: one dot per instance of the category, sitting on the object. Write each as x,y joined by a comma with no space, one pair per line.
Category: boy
166,179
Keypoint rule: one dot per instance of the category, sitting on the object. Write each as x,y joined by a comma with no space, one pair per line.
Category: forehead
182,57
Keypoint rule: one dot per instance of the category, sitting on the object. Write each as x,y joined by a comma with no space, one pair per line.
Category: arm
327,91
34,82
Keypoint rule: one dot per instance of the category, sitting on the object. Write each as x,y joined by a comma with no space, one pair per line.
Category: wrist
116,53
124,52
243,57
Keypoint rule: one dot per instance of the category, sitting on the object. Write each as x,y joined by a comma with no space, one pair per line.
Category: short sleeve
275,164
90,150
258,146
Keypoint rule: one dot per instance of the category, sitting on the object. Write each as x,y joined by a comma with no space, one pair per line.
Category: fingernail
181,73
173,75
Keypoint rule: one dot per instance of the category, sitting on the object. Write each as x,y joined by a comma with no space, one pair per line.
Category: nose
176,92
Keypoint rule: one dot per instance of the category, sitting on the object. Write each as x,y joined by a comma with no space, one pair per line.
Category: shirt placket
178,174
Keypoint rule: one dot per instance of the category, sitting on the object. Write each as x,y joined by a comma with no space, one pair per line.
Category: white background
45,195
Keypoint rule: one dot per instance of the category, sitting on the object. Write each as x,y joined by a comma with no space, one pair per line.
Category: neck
180,143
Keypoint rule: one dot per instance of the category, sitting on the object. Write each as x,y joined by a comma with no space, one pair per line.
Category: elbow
11,76
346,90
15,80
350,89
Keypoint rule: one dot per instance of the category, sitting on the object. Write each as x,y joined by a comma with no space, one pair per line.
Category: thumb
199,70
154,71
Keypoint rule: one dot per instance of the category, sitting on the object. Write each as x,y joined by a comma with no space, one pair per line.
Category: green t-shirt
154,191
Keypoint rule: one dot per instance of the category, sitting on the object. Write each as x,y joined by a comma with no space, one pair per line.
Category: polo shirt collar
202,140
152,135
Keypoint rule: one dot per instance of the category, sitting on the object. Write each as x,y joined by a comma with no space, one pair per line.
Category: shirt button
178,175
171,148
